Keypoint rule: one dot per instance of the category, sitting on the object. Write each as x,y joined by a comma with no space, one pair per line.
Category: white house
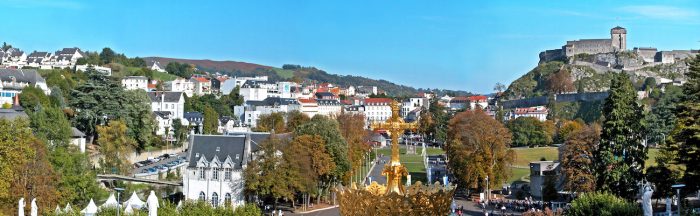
155,65
13,81
174,102
180,85
256,90
538,112
478,101
104,70
308,106
202,85
165,122
78,139
215,170
253,109
14,58
411,104
135,82
67,57
377,109
39,60
329,107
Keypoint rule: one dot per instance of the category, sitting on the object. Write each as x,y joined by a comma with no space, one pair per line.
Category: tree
620,156
662,119
549,190
577,159
271,175
23,166
115,146
51,126
211,121
649,83
685,138
568,128
529,131
352,129
499,87
603,204
560,82
336,145
296,118
271,122
138,116
235,97
78,183
179,130
308,157
478,147
107,55
31,97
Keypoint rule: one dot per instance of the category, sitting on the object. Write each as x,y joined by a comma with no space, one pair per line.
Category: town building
104,70
329,107
39,60
253,109
180,85
14,58
377,109
214,173
194,121
67,57
540,173
164,119
458,103
478,101
256,90
202,85
135,82
78,139
308,106
12,81
538,112
174,102
156,66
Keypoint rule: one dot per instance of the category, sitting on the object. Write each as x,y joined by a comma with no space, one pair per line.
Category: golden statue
394,199
394,171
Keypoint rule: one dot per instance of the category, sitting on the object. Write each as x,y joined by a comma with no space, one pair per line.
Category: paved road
161,162
376,173
327,212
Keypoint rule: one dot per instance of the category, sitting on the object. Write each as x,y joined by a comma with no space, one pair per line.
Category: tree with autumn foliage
560,82
271,122
478,147
352,128
115,147
296,118
271,174
577,159
308,157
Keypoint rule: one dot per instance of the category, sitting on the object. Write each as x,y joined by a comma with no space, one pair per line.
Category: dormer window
218,148
196,155
237,156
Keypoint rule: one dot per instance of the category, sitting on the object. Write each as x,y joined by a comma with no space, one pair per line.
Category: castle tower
619,38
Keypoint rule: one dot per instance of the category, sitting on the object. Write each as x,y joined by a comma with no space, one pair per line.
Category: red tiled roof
307,100
151,86
459,99
531,110
346,102
478,98
201,79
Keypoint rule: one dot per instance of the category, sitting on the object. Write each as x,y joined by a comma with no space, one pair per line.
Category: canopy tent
90,210
134,202
152,202
67,209
35,209
111,202
57,210
128,210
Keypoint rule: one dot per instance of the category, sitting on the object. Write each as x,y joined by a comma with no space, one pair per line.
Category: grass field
163,76
413,162
518,174
526,155
286,74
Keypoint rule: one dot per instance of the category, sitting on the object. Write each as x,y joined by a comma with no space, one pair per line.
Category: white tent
111,202
128,210
20,207
90,210
67,209
57,211
134,201
152,202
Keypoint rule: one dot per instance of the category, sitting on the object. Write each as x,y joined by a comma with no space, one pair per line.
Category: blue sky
466,45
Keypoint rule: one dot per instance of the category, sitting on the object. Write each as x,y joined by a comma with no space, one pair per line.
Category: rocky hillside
592,73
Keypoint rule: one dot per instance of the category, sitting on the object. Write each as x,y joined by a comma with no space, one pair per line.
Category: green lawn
526,155
518,174
286,74
163,76
412,162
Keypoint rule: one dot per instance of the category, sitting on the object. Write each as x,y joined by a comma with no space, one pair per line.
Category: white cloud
661,12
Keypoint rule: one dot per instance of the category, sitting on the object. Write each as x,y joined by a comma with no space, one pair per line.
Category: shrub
602,204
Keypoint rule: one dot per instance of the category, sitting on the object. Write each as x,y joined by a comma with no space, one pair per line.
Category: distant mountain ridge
235,68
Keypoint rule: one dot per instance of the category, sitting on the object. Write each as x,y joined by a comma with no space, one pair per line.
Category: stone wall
542,100
589,46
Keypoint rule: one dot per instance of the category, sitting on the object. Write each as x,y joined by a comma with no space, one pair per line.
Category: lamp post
678,191
487,190
119,190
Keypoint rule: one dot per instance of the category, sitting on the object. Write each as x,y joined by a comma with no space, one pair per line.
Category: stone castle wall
588,46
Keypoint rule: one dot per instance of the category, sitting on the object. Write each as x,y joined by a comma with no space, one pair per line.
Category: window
202,196
227,174
202,173
215,200
237,156
227,199
215,174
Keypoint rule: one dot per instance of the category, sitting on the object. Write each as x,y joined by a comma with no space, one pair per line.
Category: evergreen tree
211,120
685,138
619,158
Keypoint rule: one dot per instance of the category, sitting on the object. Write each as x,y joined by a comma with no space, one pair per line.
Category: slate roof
36,54
193,117
254,83
228,146
21,75
76,133
328,102
169,97
163,114
324,94
12,114
272,101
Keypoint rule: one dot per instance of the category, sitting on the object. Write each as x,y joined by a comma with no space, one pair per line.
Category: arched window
227,199
202,196
215,200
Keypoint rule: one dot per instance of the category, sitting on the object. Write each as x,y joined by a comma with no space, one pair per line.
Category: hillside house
135,82
13,81
174,102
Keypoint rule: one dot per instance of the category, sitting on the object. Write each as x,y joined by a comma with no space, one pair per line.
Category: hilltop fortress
616,43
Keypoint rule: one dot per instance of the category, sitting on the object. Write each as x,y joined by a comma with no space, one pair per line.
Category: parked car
152,170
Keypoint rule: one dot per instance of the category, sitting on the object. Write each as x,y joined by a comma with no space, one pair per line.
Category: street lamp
678,191
487,190
119,190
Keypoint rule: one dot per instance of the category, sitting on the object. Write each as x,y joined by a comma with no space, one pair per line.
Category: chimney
16,99
246,148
